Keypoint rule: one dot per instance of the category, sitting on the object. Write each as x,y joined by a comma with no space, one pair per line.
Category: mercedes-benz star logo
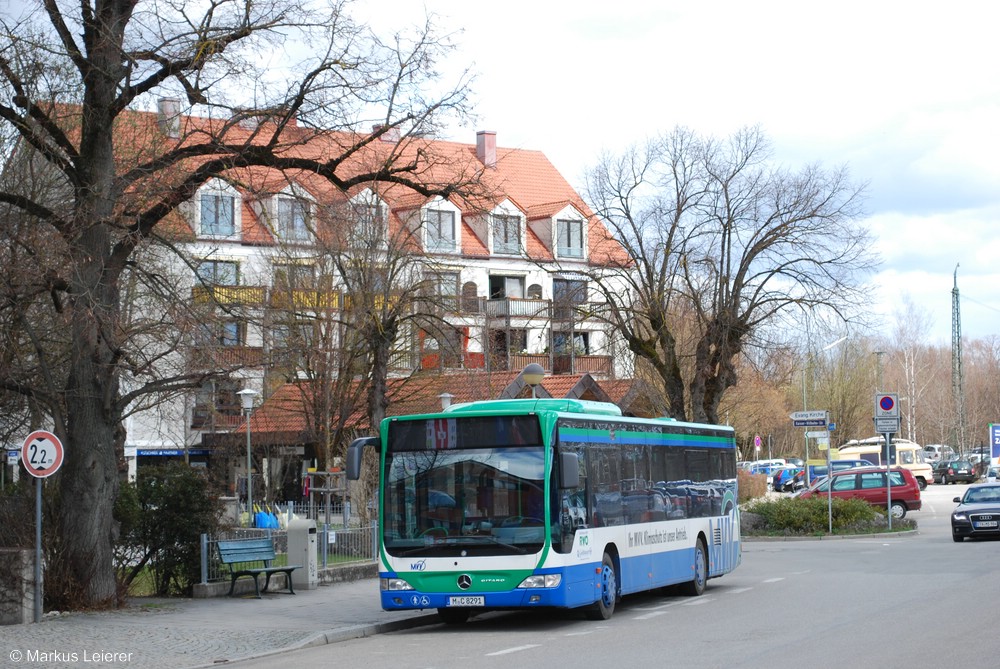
465,581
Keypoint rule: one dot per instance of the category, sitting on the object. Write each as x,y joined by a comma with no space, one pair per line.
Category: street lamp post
247,396
533,375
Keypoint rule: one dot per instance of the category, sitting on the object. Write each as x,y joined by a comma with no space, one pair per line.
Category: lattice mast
957,385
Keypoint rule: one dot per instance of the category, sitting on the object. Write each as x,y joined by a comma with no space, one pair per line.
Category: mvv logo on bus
583,548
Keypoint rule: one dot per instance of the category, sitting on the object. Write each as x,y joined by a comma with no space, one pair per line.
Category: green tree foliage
162,517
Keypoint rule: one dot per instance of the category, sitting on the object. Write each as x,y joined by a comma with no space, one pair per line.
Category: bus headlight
542,581
394,584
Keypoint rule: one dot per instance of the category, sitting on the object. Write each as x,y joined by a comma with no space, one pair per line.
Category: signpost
887,424
42,456
815,418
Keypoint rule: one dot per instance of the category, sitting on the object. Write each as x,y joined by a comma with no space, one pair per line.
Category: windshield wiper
493,540
454,542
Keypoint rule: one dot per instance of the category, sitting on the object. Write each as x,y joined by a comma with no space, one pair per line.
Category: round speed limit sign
42,454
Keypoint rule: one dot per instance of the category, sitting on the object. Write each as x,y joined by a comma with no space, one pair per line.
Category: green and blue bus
528,503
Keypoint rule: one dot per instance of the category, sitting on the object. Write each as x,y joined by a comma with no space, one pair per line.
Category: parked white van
909,454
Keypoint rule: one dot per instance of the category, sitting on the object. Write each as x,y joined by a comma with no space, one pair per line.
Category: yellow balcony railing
228,295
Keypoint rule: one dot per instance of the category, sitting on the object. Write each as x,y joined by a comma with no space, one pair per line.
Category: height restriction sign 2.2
42,454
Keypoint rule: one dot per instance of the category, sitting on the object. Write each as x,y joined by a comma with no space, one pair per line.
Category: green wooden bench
241,556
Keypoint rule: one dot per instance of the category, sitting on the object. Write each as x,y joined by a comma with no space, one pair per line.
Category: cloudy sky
907,96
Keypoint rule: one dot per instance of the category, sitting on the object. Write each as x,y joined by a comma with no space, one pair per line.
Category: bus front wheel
604,607
696,585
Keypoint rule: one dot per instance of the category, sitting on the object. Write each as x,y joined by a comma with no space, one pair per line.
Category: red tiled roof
287,409
526,177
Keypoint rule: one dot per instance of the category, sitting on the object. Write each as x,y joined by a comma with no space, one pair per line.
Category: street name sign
816,418
808,415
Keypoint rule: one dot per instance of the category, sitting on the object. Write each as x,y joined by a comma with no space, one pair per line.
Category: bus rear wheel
696,585
604,607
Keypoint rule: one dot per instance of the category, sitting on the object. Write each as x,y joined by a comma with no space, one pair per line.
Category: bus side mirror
354,454
569,470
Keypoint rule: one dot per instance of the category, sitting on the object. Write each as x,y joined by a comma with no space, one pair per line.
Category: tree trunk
89,476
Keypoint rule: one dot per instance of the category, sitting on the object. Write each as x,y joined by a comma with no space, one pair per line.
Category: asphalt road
899,601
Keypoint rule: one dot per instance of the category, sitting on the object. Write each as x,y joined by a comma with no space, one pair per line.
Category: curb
337,636
361,631
831,537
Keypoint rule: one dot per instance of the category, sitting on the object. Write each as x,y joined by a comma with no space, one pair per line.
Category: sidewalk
189,633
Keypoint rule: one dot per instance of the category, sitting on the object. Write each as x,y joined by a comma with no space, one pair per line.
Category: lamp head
247,396
533,374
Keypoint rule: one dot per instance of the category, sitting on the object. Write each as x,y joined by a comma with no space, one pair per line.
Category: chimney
168,117
486,147
391,135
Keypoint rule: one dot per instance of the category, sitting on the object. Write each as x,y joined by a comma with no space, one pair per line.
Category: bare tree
724,246
69,77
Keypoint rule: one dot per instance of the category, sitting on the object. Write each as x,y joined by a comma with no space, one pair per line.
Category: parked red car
868,483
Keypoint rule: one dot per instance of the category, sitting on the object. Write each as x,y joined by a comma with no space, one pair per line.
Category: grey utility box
302,551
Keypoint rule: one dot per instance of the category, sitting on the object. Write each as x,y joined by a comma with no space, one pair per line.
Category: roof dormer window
218,215
569,238
440,224
362,222
217,210
292,219
506,234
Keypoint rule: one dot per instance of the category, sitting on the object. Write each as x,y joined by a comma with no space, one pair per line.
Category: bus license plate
986,523
466,601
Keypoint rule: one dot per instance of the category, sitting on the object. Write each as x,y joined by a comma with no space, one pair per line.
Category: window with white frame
221,333
215,397
567,295
506,287
443,287
218,214
440,229
292,219
566,343
294,276
218,272
569,238
506,234
370,222
292,334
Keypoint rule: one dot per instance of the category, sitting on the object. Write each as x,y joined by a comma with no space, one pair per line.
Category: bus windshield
468,485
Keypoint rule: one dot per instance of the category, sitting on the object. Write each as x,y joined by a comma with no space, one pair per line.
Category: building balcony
304,299
229,295
204,418
595,365
222,357
519,308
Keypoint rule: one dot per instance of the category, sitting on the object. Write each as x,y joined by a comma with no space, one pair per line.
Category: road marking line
649,615
515,649
774,580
